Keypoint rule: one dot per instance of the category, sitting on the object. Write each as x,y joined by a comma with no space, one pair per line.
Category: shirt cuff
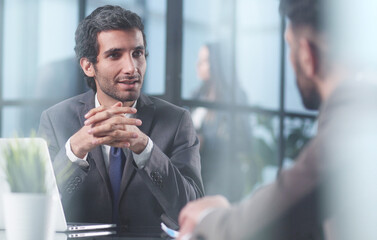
142,158
80,161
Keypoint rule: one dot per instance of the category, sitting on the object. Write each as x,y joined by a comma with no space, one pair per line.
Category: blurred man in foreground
294,207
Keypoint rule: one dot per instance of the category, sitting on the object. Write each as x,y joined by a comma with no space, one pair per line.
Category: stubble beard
117,94
309,94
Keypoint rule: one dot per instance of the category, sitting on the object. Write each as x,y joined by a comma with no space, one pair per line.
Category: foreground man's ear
307,57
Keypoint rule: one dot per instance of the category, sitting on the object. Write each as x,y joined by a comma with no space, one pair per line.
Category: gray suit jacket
294,206
157,192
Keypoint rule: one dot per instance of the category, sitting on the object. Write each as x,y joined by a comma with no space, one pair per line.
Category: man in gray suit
120,156
293,207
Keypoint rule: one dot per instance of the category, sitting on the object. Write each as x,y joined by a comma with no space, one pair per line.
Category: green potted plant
28,206
25,167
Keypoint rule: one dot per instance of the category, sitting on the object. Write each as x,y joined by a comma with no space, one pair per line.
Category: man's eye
138,53
114,55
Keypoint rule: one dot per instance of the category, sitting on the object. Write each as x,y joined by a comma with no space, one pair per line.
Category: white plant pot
28,216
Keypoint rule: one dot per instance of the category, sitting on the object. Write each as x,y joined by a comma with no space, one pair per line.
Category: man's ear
307,58
87,67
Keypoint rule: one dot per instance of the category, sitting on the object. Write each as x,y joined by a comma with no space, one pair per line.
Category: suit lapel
96,154
128,171
145,112
87,102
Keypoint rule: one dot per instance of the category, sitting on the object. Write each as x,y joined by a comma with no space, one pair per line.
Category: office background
260,110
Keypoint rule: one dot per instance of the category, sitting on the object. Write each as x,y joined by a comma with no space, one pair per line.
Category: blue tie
117,161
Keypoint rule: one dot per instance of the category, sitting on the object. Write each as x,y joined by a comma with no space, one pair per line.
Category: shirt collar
97,104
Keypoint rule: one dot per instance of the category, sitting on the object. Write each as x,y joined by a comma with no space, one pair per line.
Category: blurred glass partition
353,194
234,62
221,168
257,51
242,40
297,133
38,62
38,42
20,120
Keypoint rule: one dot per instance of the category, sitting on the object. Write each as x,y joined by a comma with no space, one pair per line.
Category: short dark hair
102,19
303,12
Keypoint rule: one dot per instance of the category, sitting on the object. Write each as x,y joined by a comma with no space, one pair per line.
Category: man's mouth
128,84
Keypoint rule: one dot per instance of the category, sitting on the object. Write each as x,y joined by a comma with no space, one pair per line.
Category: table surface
66,236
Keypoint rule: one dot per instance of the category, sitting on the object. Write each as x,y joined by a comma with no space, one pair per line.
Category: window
240,88
37,48
38,66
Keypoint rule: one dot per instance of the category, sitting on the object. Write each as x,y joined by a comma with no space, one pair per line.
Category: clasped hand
109,126
193,212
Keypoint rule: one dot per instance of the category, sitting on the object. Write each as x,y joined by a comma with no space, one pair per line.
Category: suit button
78,180
155,176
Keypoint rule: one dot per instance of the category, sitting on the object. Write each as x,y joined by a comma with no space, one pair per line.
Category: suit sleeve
175,180
285,209
69,176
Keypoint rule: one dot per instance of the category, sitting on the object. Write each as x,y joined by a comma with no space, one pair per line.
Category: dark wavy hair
102,19
303,12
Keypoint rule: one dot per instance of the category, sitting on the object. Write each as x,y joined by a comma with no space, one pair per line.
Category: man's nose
129,65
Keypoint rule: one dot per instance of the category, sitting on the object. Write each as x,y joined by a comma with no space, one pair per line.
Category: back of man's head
303,13
309,49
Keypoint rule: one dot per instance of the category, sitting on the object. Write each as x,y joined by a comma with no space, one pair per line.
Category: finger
94,111
129,121
108,113
113,124
186,220
185,231
186,236
107,140
114,136
185,212
182,216
117,135
123,110
119,120
100,109
118,104
120,144
105,129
